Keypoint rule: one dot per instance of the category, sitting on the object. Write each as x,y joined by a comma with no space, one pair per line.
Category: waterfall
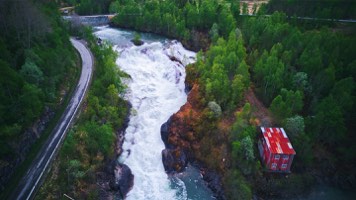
156,91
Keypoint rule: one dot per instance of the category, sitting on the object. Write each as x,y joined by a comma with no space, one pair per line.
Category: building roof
277,140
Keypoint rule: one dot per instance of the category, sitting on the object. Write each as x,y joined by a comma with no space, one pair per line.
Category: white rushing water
156,91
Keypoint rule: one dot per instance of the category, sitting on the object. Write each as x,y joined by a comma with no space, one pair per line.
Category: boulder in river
174,160
123,179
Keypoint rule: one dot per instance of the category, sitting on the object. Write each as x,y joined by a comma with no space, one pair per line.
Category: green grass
36,146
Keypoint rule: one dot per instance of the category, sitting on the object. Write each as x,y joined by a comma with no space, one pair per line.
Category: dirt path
258,109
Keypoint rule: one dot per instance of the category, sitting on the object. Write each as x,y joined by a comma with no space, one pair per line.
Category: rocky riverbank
115,179
183,144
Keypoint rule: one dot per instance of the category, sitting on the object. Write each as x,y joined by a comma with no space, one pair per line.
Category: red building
276,151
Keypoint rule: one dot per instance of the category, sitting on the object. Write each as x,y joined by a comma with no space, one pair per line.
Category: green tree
112,95
31,104
245,8
342,92
214,32
237,89
31,73
328,123
226,22
192,16
300,82
235,9
247,147
295,125
208,14
217,87
243,70
270,73
287,104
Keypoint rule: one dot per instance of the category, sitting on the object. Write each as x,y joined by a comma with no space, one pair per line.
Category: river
156,91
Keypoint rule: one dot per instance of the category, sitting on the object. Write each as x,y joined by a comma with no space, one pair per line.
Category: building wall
276,162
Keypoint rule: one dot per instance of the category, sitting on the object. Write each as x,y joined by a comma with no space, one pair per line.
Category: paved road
110,16
30,182
309,18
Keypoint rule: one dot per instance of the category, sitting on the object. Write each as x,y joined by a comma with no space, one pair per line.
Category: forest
35,56
37,67
302,72
329,9
90,144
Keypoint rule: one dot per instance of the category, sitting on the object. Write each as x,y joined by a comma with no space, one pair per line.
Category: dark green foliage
329,124
244,162
137,40
90,7
287,104
238,187
270,72
179,19
36,56
334,9
224,73
92,140
305,74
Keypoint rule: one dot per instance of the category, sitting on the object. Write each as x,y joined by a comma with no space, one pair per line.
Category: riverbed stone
214,183
174,160
123,179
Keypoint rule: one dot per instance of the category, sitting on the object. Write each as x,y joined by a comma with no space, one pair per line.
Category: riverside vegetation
90,144
303,73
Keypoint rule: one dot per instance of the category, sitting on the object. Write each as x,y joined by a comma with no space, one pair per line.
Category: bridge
92,20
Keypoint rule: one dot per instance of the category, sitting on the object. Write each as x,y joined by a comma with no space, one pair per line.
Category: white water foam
156,91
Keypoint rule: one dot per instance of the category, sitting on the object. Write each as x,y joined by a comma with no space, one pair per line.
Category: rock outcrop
122,180
174,160
182,142
178,137
22,146
116,179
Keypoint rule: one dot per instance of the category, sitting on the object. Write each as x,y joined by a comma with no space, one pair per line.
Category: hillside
250,71
37,64
303,75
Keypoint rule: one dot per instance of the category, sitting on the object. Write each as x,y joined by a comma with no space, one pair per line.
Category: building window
285,157
276,157
274,165
284,166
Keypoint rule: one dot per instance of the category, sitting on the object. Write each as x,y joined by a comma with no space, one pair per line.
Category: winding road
31,181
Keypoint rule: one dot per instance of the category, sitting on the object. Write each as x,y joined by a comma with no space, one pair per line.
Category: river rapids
156,91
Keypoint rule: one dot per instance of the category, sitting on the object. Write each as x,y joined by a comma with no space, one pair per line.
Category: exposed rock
174,59
165,134
22,146
137,42
120,134
174,160
214,183
123,179
182,142
116,179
